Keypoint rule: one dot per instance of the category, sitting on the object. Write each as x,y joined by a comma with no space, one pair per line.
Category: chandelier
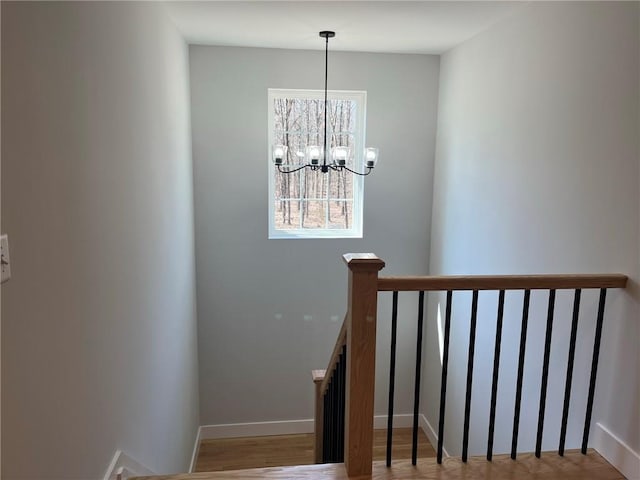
315,155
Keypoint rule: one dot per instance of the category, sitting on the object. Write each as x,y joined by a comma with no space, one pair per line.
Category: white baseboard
196,451
286,427
406,421
123,466
431,434
399,421
616,452
256,429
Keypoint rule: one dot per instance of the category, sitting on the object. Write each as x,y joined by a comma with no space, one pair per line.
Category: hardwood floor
284,450
291,457
573,466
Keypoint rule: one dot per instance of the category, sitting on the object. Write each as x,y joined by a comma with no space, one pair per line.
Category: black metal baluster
343,400
594,370
392,375
329,421
443,381
334,412
341,396
416,396
332,442
339,387
325,428
336,433
336,376
467,406
327,412
567,384
334,417
338,398
545,370
496,367
523,340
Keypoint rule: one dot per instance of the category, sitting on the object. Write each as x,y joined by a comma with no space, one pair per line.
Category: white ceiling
367,26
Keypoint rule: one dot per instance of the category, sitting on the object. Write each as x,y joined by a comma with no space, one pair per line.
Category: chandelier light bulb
340,155
371,157
278,154
313,154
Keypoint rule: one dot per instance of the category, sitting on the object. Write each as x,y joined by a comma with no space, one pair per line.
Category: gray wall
537,170
256,349
98,321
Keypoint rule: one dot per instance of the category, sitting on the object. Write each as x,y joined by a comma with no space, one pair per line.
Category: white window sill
313,234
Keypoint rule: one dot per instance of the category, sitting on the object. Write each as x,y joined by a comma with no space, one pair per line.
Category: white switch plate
4,258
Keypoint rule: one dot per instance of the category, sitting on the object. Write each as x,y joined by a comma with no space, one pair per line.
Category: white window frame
358,96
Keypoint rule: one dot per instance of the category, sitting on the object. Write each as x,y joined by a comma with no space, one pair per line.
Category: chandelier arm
295,170
369,169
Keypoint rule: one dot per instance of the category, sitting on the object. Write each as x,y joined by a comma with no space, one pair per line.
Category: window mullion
302,175
326,183
326,200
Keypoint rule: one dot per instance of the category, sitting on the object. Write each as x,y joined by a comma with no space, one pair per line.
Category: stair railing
357,340
345,390
330,398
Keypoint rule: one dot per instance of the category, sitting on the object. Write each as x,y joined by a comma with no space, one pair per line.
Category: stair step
573,466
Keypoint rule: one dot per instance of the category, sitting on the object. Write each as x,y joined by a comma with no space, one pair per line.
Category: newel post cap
363,261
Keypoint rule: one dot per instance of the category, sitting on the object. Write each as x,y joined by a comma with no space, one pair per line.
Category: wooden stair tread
573,466
287,450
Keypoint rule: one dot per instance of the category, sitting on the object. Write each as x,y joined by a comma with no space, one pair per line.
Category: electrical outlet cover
4,258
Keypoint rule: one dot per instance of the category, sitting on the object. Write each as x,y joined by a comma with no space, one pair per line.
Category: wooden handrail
321,380
501,282
340,342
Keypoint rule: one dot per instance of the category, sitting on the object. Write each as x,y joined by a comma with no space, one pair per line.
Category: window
312,204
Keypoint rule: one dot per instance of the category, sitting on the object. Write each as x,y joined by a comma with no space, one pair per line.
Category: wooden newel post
361,361
318,426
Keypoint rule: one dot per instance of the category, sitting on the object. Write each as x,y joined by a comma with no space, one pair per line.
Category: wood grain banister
501,282
337,349
321,381
361,360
